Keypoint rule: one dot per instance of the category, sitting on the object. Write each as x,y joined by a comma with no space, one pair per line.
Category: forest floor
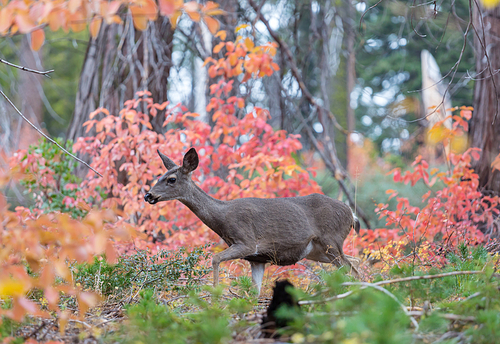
457,303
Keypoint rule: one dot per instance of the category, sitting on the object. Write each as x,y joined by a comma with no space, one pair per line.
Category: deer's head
173,184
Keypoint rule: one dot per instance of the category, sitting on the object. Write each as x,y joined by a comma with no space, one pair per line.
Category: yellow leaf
490,3
94,27
212,24
37,39
240,27
459,143
249,43
11,287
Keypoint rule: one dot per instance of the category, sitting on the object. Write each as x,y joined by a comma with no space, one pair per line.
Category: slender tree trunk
484,129
29,97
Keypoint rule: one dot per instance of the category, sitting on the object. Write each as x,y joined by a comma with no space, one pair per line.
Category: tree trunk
484,129
119,62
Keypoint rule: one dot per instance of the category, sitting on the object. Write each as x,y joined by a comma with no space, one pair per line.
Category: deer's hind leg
333,255
257,274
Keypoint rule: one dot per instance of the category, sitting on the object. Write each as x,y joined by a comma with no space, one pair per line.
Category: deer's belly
281,256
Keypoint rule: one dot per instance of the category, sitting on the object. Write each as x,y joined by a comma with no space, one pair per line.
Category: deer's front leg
232,252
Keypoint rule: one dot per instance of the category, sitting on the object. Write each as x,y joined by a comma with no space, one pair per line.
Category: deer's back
289,220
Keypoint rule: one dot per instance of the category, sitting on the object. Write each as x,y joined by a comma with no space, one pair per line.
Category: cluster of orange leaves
451,210
46,243
31,16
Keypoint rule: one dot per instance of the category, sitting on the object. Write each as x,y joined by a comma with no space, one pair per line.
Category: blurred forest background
350,82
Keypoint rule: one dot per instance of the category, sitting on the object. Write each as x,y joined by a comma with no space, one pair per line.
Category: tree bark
119,62
484,131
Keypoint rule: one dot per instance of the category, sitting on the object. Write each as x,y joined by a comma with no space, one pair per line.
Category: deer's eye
171,180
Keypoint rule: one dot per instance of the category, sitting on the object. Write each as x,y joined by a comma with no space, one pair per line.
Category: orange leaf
496,163
55,19
77,22
218,47
212,24
195,16
222,34
73,5
37,39
169,7
5,19
140,20
95,26
210,5
174,18
24,23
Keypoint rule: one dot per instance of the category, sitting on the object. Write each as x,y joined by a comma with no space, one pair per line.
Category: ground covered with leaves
167,298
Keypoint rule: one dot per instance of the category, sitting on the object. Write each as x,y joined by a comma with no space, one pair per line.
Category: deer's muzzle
150,198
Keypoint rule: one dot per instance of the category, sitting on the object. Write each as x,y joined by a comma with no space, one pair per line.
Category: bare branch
294,69
26,69
47,137
365,12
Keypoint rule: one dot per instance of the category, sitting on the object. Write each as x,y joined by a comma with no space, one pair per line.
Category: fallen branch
453,317
397,280
47,137
26,69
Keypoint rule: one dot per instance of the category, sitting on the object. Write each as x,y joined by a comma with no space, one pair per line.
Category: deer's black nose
148,197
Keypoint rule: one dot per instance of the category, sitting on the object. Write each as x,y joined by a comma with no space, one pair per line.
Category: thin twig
294,69
26,69
47,137
388,293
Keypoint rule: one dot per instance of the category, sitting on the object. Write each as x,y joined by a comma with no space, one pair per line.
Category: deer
280,231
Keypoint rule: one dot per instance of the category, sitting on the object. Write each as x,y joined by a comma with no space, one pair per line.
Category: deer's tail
356,223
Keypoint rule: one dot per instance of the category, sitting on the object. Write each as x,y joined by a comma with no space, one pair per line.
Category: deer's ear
169,164
190,162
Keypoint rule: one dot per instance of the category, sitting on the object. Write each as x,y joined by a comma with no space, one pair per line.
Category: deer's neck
208,209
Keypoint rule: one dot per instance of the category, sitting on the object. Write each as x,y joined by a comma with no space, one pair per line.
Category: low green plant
180,269
446,309
211,322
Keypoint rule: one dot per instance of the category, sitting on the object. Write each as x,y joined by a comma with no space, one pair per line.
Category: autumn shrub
48,178
452,212
241,155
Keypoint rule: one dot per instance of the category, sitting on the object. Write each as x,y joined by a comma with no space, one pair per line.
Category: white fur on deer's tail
356,223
